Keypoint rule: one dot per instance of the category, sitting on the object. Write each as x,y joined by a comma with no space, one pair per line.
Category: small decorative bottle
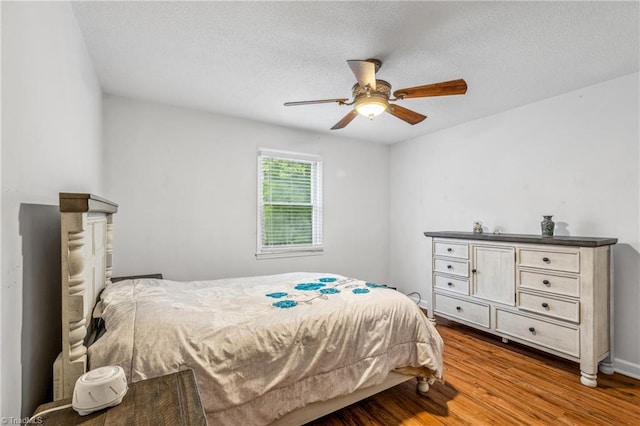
547,226
477,227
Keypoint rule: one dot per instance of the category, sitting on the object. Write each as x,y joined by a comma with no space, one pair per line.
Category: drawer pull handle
546,282
449,267
450,284
532,330
474,270
545,305
449,249
546,260
458,308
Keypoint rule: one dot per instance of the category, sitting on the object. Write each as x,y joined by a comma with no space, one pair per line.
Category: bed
278,349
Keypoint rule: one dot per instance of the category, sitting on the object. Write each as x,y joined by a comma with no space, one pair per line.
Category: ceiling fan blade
404,114
320,101
365,72
453,87
345,120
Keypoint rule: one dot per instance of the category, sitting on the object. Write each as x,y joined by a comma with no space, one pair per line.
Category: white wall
1,222
186,183
574,156
51,142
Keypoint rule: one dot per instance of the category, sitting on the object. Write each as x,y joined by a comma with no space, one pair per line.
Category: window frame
316,247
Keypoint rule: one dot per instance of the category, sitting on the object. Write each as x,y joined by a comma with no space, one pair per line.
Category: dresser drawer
451,266
546,334
475,313
556,261
549,283
550,306
457,285
446,248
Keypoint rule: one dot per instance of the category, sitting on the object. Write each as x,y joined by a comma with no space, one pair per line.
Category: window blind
289,203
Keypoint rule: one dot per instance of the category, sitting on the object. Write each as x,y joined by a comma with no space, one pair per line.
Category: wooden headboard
87,235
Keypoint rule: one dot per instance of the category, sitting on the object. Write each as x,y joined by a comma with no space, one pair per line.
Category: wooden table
168,400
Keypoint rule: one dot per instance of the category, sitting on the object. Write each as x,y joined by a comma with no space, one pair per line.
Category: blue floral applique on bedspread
322,289
277,295
374,285
309,286
284,304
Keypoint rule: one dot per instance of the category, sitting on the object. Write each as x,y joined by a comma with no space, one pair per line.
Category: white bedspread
263,346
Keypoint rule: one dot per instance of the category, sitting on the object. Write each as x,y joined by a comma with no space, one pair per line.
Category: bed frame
87,236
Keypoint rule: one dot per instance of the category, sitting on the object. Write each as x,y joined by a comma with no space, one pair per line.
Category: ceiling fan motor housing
382,87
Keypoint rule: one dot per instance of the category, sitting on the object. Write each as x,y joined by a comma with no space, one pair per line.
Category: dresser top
526,238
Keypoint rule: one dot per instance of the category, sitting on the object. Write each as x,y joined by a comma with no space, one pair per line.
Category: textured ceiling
246,59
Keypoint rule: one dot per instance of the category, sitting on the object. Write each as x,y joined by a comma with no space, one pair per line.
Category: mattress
261,347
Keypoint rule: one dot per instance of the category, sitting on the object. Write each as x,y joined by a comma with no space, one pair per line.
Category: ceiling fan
371,97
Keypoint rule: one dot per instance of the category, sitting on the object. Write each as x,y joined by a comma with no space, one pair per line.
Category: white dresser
551,293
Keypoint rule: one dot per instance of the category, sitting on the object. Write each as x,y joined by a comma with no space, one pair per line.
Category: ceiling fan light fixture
372,105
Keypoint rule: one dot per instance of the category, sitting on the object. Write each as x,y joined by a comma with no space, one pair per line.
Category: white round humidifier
100,388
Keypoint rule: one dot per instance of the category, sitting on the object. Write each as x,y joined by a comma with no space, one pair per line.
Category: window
289,204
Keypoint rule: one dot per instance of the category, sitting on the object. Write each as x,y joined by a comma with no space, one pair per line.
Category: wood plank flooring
488,382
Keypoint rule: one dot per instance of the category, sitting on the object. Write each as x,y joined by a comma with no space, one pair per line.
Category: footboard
86,238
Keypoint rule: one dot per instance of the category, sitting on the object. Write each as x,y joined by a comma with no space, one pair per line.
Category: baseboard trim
626,368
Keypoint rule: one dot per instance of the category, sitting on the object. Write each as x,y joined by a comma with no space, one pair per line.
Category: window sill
282,254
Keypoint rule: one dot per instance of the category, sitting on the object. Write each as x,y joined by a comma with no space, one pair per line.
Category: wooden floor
488,382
